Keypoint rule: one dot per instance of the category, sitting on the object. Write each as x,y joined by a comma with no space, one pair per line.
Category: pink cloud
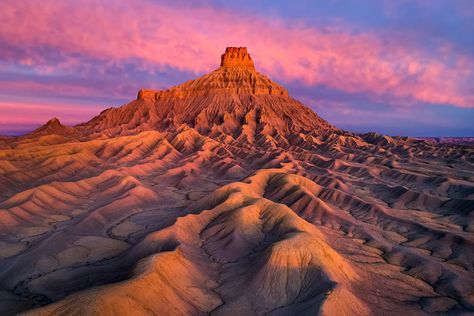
31,113
59,89
154,36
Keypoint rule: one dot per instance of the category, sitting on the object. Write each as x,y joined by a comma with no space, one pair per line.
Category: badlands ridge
226,196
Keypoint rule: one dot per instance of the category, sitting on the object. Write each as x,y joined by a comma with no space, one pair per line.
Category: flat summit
237,57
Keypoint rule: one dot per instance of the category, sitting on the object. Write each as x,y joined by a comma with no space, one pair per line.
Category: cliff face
237,57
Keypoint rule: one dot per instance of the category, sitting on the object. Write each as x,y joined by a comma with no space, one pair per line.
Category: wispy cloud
70,35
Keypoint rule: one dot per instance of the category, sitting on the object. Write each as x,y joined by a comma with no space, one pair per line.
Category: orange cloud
60,34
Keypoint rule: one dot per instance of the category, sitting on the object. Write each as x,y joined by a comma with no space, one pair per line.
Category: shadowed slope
244,254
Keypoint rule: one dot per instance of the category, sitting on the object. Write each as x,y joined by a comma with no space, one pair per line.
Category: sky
402,67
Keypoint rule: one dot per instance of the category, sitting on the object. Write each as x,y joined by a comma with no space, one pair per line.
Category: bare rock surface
226,196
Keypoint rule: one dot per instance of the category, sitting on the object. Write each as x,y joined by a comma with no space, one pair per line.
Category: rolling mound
226,196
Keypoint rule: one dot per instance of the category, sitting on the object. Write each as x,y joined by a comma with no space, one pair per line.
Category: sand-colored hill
225,196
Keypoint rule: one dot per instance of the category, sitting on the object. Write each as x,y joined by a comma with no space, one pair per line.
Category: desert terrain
226,196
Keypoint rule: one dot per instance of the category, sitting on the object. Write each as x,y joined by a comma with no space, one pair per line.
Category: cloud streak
61,35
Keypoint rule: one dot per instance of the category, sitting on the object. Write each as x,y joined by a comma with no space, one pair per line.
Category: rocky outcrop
144,94
237,57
